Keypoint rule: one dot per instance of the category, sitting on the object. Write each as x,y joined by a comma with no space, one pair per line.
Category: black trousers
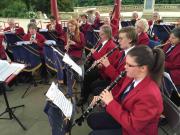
98,86
103,124
89,78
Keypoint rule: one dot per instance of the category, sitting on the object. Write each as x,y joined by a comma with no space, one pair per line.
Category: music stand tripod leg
33,82
9,109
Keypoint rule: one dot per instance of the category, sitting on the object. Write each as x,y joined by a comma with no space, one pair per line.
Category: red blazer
40,40
59,31
115,29
139,112
106,48
172,63
143,39
2,51
97,23
84,28
77,49
19,30
112,71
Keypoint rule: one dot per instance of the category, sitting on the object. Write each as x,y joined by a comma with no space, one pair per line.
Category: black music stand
9,109
11,38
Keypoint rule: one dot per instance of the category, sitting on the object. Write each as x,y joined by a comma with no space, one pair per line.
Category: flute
79,120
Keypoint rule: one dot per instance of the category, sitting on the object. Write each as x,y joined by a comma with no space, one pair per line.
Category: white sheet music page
73,65
58,98
7,69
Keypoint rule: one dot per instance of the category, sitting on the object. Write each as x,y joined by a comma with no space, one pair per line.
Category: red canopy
54,9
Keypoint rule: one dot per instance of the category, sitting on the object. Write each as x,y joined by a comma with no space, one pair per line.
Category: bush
15,9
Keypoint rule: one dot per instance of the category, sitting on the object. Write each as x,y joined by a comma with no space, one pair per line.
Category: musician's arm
174,64
144,110
80,44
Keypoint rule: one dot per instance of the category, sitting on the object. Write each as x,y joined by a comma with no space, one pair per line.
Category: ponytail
158,66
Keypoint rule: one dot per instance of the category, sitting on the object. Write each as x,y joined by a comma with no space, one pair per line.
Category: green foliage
15,9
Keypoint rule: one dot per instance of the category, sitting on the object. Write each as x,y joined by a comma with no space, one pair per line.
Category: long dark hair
153,58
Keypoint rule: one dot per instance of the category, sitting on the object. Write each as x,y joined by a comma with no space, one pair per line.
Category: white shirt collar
127,50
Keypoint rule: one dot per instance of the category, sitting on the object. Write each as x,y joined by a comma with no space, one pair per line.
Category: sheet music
7,69
50,42
23,43
60,100
73,65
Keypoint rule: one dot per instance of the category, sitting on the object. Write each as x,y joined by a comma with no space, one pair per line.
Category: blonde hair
144,22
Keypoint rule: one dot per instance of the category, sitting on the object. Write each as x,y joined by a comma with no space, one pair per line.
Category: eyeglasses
129,65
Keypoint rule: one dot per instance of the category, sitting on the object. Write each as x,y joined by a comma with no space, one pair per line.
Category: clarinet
98,61
79,120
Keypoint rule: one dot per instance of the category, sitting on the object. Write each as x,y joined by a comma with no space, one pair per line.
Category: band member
97,21
135,17
172,53
35,37
54,26
13,28
141,29
105,45
127,40
74,47
155,20
136,108
85,26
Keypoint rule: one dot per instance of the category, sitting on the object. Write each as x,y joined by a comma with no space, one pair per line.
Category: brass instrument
162,45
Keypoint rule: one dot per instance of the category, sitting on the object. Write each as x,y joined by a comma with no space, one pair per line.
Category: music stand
9,109
11,38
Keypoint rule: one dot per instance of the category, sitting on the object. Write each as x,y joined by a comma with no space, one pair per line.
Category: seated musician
74,47
155,20
13,28
141,29
34,21
97,21
134,17
85,26
136,108
37,39
54,26
105,45
127,40
172,53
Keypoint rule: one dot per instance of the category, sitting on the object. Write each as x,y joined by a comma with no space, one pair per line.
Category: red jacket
143,39
139,112
2,51
40,40
172,63
59,31
19,30
105,49
112,71
77,49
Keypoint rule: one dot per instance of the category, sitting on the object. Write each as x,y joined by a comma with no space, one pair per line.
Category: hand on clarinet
106,96
95,99
105,62
92,51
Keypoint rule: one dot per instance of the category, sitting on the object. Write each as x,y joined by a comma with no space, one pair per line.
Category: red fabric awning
54,9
